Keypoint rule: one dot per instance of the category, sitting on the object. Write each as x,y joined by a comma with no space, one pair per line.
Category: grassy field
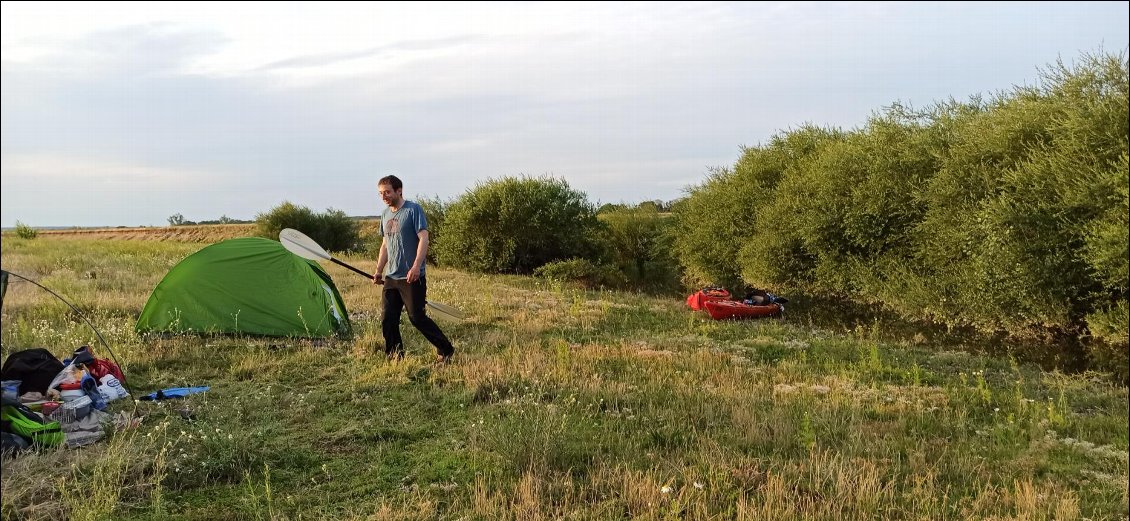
562,404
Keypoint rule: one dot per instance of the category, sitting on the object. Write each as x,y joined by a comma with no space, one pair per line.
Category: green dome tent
249,285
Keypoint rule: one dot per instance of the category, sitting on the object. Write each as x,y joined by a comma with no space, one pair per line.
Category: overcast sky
126,113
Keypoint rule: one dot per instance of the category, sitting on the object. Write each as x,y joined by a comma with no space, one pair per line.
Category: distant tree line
178,220
657,205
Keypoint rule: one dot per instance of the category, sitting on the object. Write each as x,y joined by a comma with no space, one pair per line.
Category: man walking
400,267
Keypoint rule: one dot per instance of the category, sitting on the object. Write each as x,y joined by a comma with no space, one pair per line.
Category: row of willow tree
1003,213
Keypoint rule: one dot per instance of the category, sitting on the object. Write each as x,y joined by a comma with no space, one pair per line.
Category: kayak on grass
724,309
696,300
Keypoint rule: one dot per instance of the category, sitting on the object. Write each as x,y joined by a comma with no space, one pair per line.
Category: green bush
514,225
718,218
845,209
339,231
1105,247
24,231
639,242
583,272
332,230
1062,191
435,211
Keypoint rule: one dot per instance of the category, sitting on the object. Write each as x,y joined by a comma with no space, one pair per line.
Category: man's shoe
442,360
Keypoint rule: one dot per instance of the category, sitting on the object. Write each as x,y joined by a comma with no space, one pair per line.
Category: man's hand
378,278
413,274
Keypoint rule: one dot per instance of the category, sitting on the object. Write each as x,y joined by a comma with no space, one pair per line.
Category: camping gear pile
48,403
718,304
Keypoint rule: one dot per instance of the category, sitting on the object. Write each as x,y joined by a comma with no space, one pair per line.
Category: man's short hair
392,181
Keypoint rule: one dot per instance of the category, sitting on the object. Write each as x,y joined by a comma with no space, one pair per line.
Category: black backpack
34,368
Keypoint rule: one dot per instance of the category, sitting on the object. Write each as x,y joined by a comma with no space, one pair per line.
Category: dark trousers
399,294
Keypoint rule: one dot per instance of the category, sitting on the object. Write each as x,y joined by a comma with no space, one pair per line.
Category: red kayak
696,299
723,309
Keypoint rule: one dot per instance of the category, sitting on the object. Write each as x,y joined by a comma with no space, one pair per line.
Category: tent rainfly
249,285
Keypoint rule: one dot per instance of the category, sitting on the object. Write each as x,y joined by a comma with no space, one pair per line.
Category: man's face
389,196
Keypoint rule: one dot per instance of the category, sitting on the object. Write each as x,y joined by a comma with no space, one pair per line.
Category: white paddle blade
299,244
447,310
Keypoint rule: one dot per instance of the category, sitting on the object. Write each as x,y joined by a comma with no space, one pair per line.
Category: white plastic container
73,394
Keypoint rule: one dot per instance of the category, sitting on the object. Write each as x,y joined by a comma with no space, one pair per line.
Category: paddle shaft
449,312
355,270
299,244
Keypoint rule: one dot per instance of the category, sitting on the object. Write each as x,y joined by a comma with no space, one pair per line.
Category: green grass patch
562,403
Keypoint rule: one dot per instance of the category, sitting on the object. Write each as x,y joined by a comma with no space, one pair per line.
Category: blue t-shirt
400,230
